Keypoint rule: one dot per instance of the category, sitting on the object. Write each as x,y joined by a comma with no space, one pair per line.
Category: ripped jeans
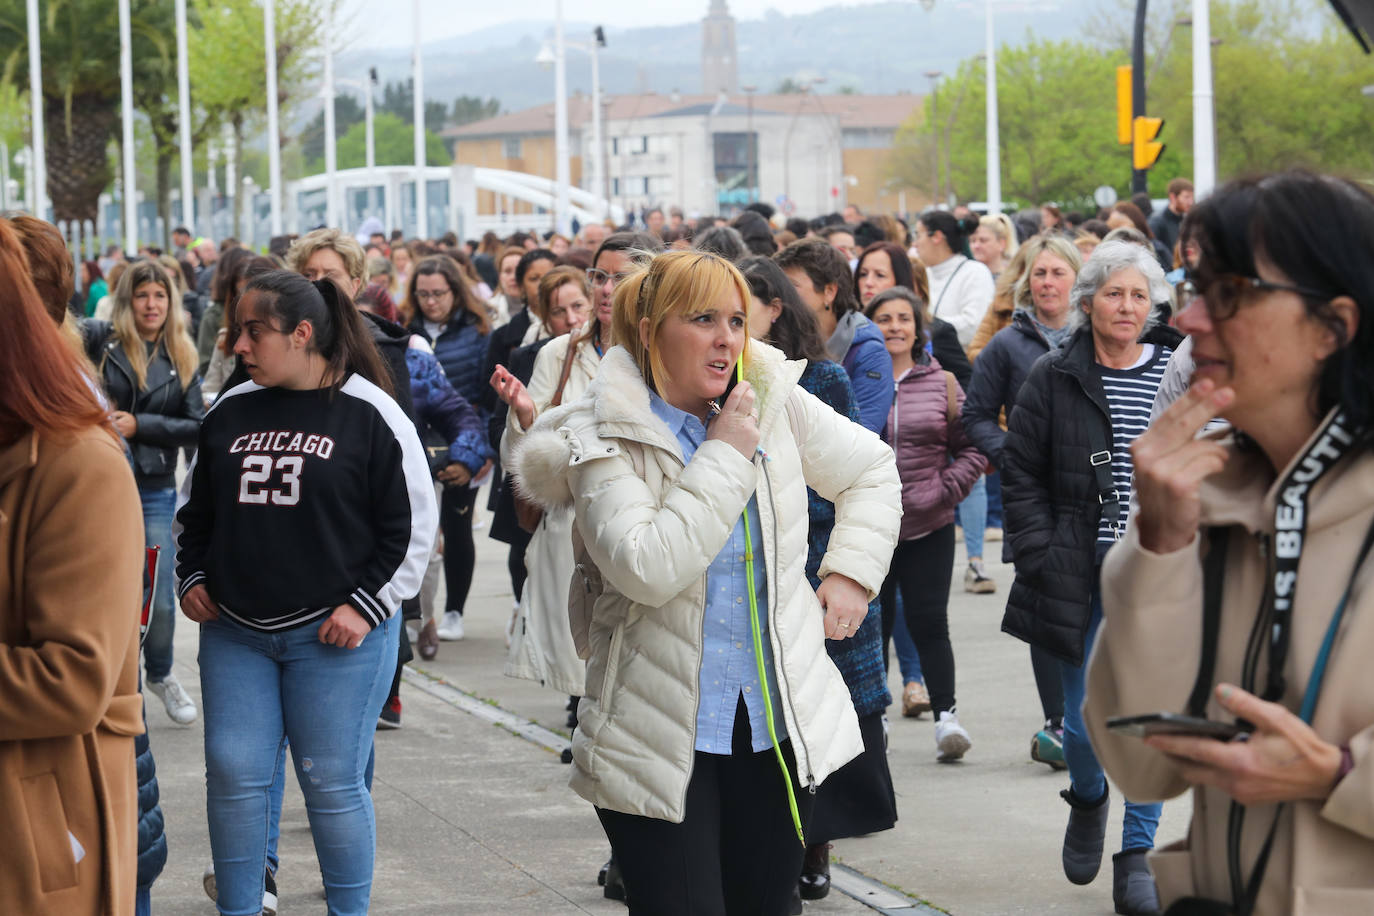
259,689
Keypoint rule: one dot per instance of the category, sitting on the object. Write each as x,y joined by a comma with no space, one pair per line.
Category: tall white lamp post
188,193
126,83
1204,131
331,204
549,57
38,155
421,197
993,153
269,30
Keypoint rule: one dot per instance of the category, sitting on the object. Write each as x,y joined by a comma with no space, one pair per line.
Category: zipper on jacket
778,670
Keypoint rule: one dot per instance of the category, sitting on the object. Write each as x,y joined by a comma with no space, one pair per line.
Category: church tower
719,65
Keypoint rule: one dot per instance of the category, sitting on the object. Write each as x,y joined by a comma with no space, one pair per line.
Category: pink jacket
937,463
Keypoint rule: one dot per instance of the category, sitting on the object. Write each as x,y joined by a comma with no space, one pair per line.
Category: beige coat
71,534
1147,657
651,527
542,648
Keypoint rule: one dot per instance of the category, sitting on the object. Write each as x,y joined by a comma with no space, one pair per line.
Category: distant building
719,62
812,153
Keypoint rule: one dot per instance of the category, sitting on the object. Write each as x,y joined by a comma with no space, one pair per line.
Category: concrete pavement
476,819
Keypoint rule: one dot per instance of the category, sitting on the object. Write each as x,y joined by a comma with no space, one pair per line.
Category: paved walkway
474,818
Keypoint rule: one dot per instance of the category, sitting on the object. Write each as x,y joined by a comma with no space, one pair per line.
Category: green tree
395,144
347,112
470,108
1057,110
399,99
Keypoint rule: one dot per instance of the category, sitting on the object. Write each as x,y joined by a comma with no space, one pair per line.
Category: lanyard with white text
1332,442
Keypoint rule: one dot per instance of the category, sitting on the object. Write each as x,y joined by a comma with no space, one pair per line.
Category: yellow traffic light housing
1123,106
1145,149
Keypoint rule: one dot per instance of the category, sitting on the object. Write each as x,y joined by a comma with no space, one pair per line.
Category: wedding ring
843,626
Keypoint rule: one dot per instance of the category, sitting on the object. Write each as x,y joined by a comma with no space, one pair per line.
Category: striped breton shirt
1130,395
301,501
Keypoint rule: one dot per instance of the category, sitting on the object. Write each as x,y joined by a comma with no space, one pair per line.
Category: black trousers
460,553
921,568
735,853
1049,684
515,560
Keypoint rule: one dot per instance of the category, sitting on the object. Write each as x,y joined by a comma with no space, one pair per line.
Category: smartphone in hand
1170,723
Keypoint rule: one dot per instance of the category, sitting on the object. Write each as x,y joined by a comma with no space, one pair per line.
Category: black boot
1083,837
1133,888
815,875
611,879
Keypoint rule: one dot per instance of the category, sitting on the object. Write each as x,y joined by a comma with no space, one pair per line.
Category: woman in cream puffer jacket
651,527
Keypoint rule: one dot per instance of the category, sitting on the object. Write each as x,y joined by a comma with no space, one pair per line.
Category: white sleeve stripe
424,512
369,606
190,582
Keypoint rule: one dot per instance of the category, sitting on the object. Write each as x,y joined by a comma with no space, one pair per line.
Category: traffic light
1123,105
1145,149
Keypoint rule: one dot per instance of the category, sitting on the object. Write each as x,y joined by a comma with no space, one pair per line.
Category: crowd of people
732,461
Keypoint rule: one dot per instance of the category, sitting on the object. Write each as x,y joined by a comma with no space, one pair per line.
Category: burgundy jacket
937,463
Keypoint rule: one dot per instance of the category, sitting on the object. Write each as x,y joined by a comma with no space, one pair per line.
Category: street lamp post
188,193
421,189
269,29
749,140
331,161
126,84
994,199
562,218
1204,128
934,77
598,140
38,158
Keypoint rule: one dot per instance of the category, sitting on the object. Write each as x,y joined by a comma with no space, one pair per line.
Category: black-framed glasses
1222,293
432,295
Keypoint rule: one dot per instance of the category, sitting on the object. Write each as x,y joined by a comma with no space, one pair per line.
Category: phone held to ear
735,378
1169,723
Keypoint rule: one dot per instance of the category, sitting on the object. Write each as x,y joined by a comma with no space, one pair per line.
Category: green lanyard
758,657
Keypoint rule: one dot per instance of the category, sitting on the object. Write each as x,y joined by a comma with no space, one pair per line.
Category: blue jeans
158,508
973,517
1085,773
994,485
259,690
908,659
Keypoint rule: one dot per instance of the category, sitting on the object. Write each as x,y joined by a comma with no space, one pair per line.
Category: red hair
42,386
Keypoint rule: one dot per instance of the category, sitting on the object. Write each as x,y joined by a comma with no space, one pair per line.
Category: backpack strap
1213,578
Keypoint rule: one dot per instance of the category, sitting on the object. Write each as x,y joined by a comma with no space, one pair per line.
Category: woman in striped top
1067,481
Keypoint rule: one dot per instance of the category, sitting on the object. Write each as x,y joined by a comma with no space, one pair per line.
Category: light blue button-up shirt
728,667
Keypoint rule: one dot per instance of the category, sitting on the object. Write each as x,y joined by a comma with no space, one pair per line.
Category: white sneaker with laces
180,707
451,628
951,741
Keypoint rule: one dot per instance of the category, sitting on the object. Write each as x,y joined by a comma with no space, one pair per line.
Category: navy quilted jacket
152,840
460,347
859,658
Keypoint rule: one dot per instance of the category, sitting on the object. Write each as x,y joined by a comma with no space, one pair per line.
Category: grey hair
1108,259
725,241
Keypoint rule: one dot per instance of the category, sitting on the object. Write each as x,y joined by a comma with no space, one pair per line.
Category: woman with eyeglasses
456,325
1066,466
1262,528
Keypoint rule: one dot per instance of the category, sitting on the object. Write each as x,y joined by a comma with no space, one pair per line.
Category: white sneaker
951,741
180,707
451,628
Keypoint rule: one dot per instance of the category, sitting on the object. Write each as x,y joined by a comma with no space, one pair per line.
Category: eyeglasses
598,277
432,295
1221,294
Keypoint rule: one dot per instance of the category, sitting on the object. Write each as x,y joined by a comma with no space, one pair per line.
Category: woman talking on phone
707,668
306,519
1262,528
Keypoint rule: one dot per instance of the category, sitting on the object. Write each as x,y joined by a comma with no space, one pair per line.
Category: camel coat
71,534
1146,660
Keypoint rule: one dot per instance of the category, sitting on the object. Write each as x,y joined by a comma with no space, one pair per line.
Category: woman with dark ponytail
961,289
305,520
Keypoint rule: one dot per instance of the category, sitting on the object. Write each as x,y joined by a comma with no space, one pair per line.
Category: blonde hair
1057,245
665,286
1000,225
341,243
172,337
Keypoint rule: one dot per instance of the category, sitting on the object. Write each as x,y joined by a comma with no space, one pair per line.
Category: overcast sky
387,23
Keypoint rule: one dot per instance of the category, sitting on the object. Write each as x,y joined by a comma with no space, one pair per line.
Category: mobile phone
735,378
1171,723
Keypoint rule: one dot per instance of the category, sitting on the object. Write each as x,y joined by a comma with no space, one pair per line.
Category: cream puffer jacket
648,527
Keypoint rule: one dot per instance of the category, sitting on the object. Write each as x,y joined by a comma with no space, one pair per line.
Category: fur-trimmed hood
616,407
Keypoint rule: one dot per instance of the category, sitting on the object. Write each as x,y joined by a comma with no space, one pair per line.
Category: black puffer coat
168,414
1050,493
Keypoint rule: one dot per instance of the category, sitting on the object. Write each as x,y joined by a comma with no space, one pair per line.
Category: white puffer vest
647,528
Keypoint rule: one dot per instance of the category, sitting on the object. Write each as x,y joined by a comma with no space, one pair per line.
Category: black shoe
815,875
1083,837
566,757
613,881
1133,888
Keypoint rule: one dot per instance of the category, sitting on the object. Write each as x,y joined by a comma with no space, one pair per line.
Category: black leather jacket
167,414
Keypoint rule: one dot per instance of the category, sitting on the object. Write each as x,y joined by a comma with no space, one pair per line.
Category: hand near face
1170,465
736,425
513,392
